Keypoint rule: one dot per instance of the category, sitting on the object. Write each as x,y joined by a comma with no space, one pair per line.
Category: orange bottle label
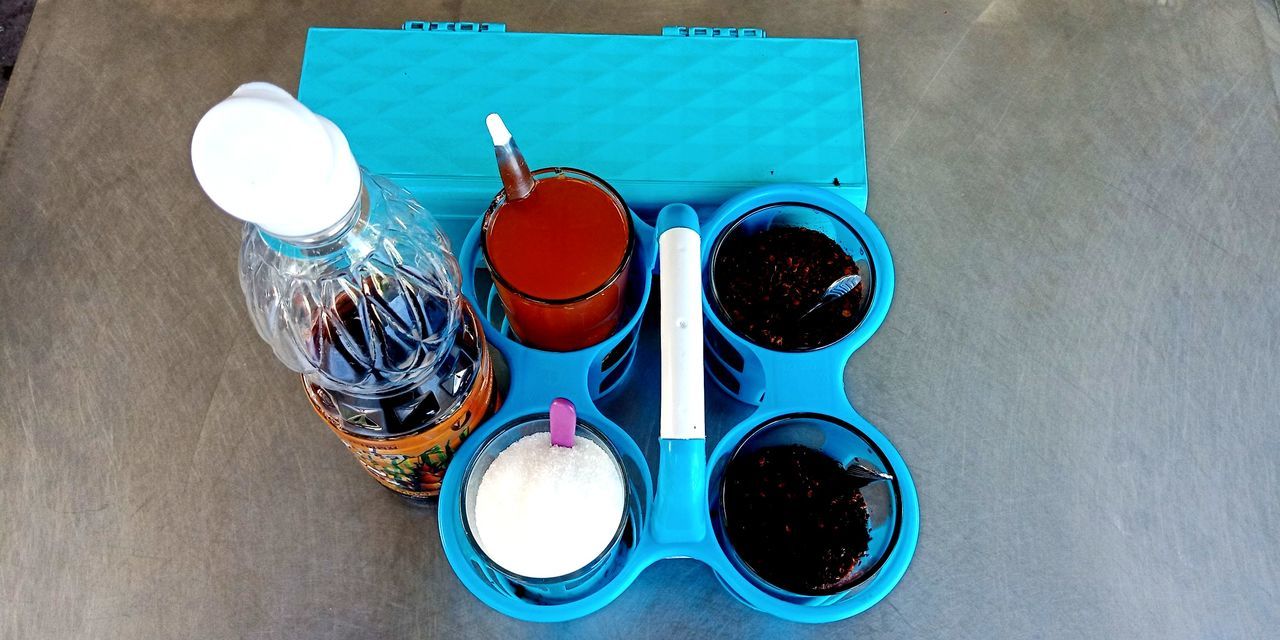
413,464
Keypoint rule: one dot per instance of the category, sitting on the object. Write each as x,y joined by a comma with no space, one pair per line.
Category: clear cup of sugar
546,523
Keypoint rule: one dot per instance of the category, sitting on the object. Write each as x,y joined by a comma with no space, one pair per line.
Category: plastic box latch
714,32
459,27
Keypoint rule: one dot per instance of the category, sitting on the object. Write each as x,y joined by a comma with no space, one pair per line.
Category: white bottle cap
265,158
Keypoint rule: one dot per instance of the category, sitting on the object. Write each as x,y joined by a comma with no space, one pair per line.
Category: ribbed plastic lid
662,119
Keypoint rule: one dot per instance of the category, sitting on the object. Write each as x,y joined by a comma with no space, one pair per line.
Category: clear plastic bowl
842,442
559,589
805,216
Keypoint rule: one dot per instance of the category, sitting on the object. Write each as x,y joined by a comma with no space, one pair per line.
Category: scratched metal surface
1080,365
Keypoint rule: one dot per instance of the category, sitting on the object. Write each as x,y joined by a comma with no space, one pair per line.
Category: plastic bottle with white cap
352,284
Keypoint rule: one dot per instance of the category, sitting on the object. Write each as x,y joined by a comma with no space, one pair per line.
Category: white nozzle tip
497,130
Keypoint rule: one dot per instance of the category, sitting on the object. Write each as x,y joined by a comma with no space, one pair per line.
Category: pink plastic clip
564,422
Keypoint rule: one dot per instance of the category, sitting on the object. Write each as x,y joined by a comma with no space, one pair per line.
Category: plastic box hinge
462,27
714,32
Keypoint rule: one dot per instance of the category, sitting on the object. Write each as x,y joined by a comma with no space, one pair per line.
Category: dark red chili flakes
797,518
767,280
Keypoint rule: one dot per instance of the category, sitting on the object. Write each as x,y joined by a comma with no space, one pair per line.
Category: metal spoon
863,470
836,290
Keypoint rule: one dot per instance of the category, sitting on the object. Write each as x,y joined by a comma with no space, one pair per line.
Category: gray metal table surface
1080,365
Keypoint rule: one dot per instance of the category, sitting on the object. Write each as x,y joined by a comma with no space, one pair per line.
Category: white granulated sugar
544,511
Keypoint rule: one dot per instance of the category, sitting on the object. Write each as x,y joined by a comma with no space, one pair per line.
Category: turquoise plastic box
724,120
663,118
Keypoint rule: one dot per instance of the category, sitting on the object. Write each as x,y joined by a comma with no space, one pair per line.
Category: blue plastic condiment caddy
726,121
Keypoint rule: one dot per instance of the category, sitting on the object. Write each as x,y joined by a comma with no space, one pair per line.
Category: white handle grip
680,262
